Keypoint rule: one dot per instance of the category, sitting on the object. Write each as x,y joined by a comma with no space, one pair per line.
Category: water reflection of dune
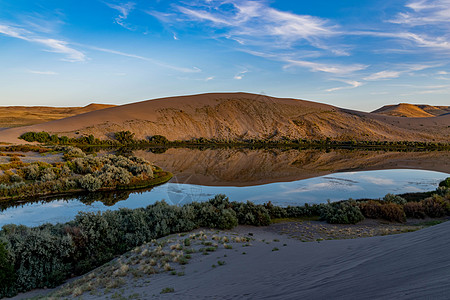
244,167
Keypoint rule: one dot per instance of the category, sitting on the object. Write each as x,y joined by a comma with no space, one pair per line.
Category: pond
290,177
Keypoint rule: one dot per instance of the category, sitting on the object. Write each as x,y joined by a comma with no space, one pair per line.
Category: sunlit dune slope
413,110
242,116
15,116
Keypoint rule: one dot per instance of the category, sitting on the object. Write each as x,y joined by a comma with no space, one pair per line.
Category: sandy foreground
260,263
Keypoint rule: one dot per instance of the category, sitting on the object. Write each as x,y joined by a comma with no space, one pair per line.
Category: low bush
250,214
7,272
344,212
445,182
436,206
391,198
414,210
381,210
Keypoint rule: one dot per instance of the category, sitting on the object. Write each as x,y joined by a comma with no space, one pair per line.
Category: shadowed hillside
242,116
413,110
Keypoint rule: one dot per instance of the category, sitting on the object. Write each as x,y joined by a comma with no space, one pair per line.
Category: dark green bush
344,212
251,214
7,272
275,211
124,137
445,182
158,139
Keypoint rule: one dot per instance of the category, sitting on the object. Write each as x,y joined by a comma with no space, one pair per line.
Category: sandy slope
242,115
413,110
406,266
15,116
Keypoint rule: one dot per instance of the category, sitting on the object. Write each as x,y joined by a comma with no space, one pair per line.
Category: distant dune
413,110
15,116
242,116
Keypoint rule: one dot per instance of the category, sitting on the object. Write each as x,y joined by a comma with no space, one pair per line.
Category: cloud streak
52,45
351,85
41,72
147,59
124,9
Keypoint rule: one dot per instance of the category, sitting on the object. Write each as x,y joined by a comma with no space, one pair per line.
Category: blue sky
354,54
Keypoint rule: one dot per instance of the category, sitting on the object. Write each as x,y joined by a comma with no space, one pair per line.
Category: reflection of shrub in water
107,198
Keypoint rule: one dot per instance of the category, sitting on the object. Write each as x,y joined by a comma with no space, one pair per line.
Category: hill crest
237,116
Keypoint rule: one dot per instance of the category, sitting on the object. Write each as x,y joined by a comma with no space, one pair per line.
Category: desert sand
413,110
241,116
260,263
15,116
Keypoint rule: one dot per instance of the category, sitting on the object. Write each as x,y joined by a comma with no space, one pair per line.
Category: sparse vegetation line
127,138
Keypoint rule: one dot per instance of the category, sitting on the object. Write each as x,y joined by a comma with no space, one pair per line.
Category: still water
334,186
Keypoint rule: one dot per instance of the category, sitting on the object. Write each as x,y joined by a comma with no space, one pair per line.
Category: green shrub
445,182
158,139
344,212
275,211
124,137
7,273
251,214
391,198
90,183
216,213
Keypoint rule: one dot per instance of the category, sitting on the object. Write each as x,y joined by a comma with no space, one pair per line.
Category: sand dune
242,116
15,116
406,266
413,110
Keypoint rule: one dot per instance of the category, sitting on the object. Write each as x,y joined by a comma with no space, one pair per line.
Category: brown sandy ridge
413,110
241,116
16,116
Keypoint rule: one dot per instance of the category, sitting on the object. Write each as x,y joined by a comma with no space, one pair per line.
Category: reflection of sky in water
338,186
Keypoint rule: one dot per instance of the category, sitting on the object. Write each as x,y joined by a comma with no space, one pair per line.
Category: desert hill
413,110
15,116
241,116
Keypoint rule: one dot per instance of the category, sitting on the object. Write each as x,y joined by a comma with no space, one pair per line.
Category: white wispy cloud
124,9
351,85
402,69
423,12
336,69
240,75
151,60
383,75
62,47
256,23
53,45
41,72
